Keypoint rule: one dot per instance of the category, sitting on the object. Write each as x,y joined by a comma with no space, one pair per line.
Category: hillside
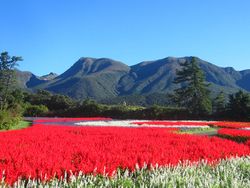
89,77
106,78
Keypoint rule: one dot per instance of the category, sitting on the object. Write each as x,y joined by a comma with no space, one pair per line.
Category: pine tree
194,93
7,77
219,103
239,106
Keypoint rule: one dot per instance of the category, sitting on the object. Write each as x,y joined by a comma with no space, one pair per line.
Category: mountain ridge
100,78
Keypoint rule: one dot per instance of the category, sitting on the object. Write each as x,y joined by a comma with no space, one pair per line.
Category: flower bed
235,134
234,125
223,124
44,152
175,123
248,142
123,123
229,173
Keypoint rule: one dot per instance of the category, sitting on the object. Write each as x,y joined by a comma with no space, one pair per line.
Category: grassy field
21,125
201,131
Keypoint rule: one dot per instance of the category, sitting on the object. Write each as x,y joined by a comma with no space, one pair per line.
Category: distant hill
106,78
49,76
27,80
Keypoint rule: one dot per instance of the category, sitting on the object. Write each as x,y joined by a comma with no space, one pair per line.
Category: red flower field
235,132
248,142
47,151
234,125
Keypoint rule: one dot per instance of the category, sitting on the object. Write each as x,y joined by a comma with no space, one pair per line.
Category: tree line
191,100
194,95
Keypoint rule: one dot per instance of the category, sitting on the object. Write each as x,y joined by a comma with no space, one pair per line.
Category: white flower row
246,128
130,123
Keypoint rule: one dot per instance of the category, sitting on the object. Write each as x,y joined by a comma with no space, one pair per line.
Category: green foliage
21,125
7,77
40,97
11,116
8,119
219,103
59,102
154,112
139,100
193,94
63,106
10,99
55,103
239,106
35,110
198,130
90,107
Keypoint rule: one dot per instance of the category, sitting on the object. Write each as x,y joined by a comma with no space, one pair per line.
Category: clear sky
51,35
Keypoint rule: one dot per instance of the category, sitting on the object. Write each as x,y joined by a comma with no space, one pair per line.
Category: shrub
35,110
8,120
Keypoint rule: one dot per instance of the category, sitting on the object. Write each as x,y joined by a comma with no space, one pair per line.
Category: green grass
198,130
21,125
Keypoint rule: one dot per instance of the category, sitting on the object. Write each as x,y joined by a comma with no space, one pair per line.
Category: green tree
193,93
219,103
90,108
41,97
35,110
239,106
7,77
60,102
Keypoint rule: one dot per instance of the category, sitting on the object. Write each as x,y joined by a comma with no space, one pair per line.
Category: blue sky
51,35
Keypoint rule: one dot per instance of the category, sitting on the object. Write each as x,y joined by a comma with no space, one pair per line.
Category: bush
35,110
154,112
8,120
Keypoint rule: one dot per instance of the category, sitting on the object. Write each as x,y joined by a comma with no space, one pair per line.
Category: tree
219,103
60,102
194,93
90,108
40,97
239,106
35,110
7,77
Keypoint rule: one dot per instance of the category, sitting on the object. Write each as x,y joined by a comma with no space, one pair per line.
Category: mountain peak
49,76
104,78
91,66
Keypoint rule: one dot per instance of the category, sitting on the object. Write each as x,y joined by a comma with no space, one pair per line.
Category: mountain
157,76
49,76
89,77
150,76
244,82
106,78
27,80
